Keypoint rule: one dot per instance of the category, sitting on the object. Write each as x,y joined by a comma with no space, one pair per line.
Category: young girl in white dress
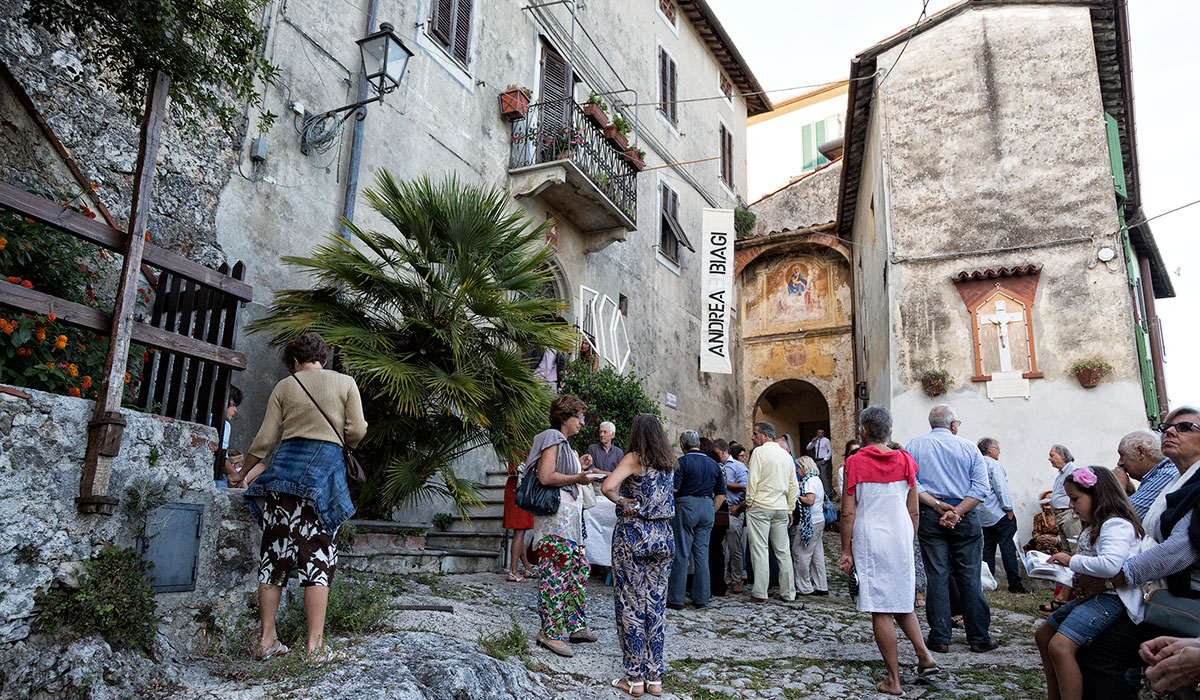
1111,535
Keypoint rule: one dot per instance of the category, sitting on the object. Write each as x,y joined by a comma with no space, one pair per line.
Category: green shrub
743,222
1082,365
510,642
442,520
357,605
113,600
609,396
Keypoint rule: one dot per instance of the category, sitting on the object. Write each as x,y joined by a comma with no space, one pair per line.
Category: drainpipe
1160,382
356,140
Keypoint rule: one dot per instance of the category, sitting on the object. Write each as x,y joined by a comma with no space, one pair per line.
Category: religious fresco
792,293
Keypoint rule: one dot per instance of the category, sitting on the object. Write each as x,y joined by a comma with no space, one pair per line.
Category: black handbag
355,476
534,498
1180,616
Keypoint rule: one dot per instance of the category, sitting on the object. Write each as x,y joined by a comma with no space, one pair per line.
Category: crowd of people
917,525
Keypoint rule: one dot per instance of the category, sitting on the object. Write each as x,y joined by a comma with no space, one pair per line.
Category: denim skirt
312,469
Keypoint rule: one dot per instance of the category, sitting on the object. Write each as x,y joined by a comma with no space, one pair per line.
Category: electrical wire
911,34
619,103
1128,226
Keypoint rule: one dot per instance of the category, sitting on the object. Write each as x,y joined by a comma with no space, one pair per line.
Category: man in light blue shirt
735,536
997,518
951,481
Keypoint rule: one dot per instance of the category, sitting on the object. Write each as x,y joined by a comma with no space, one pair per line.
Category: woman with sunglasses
558,537
1174,522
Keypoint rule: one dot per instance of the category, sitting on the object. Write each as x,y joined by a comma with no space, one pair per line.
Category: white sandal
630,686
652,685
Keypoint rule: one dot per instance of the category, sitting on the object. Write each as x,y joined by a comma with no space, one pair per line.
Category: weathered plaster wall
42,442
992,137
807,202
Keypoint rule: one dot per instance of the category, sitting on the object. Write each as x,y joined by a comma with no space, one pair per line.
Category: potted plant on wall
617,131
936,382
596,110
514,102
635,157
1090,372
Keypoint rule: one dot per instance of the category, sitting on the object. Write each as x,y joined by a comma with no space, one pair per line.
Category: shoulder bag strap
323,414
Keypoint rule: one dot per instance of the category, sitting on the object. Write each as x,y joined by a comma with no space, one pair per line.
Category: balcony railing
560,131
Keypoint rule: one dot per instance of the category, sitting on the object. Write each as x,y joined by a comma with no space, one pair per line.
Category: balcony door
555,94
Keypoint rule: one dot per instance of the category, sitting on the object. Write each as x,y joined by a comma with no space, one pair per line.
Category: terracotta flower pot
618,140
597,114
934,386
513,105
1089,377
631,156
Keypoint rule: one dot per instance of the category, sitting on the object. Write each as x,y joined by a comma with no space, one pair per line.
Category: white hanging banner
716,291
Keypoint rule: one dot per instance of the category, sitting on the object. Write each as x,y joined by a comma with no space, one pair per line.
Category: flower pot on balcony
596,114
514,103
618,139
631,156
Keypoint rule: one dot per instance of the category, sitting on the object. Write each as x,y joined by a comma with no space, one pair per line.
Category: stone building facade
987,181
633,282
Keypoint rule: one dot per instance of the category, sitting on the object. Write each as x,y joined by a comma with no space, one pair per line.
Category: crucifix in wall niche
1001,319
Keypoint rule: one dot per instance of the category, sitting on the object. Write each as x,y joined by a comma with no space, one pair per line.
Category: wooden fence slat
183,328
33,301
95,231
194,367
171,306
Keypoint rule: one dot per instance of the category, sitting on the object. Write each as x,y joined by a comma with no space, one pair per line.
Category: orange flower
24,352
6,326
74,391
127,377
94,185
50,365
27,284
86,382
51,318
73,370
14,280
3,242
39,334
60,342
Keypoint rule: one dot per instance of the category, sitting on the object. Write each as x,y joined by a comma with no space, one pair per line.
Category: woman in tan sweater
301,497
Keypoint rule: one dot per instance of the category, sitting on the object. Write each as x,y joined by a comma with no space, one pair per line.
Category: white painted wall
775,148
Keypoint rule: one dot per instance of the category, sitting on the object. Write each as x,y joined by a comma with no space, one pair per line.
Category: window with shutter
554,93
668,242
451,26
668,81
726,156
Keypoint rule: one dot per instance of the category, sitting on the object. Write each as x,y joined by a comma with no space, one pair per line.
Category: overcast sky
811,43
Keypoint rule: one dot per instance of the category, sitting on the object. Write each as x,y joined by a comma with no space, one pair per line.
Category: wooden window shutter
554,90
673,89
729,157
663,84
442,22
462,30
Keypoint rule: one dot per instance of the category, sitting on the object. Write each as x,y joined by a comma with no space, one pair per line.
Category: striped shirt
1151,485
1176,554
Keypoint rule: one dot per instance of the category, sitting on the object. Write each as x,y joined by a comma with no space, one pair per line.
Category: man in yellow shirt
771,493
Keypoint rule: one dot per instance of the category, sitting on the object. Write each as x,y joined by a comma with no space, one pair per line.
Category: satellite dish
1106,254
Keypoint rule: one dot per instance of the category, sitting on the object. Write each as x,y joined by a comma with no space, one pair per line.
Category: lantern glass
384,59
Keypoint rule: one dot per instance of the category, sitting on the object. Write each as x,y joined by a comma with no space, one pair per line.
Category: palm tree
432,320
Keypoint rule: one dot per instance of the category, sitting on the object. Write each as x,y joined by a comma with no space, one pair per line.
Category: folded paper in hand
1038,565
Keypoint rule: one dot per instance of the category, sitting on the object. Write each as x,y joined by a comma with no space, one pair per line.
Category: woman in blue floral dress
642,487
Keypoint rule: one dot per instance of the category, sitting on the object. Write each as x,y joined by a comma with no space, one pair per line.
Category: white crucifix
1002,319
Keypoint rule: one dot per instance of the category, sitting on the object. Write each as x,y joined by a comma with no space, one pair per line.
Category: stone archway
796,408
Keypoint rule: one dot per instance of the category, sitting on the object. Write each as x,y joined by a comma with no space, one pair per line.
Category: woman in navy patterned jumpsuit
643,547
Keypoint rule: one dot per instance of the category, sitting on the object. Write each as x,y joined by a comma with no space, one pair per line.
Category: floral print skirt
293,540
564,570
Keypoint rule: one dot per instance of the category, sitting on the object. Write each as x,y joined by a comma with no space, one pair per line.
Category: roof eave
739,71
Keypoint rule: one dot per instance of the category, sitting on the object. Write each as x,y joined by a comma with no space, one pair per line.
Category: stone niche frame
1019,285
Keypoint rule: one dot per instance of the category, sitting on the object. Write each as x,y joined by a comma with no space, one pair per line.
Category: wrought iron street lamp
384,59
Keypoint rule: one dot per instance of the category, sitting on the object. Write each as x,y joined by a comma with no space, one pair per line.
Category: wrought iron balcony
562,157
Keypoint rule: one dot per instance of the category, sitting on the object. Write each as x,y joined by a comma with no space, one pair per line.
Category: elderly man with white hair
952,480
1140,457
602,521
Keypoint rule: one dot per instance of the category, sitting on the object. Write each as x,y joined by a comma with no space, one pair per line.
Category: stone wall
44,539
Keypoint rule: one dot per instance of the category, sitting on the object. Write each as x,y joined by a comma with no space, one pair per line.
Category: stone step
431,561
490,523
388,527
479,541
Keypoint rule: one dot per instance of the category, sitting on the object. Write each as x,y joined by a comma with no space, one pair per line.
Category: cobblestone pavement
730,649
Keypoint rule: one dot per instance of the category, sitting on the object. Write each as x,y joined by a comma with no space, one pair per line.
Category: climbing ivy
113,600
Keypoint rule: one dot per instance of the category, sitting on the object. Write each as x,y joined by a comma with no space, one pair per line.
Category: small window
671,235
726,156
725,86
668,85
667,9
451,26
623,304
815,134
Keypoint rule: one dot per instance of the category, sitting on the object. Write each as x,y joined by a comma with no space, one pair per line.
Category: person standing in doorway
821,450
699,493
735,536
771,494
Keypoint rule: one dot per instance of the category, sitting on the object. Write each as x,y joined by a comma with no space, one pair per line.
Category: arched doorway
796,408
